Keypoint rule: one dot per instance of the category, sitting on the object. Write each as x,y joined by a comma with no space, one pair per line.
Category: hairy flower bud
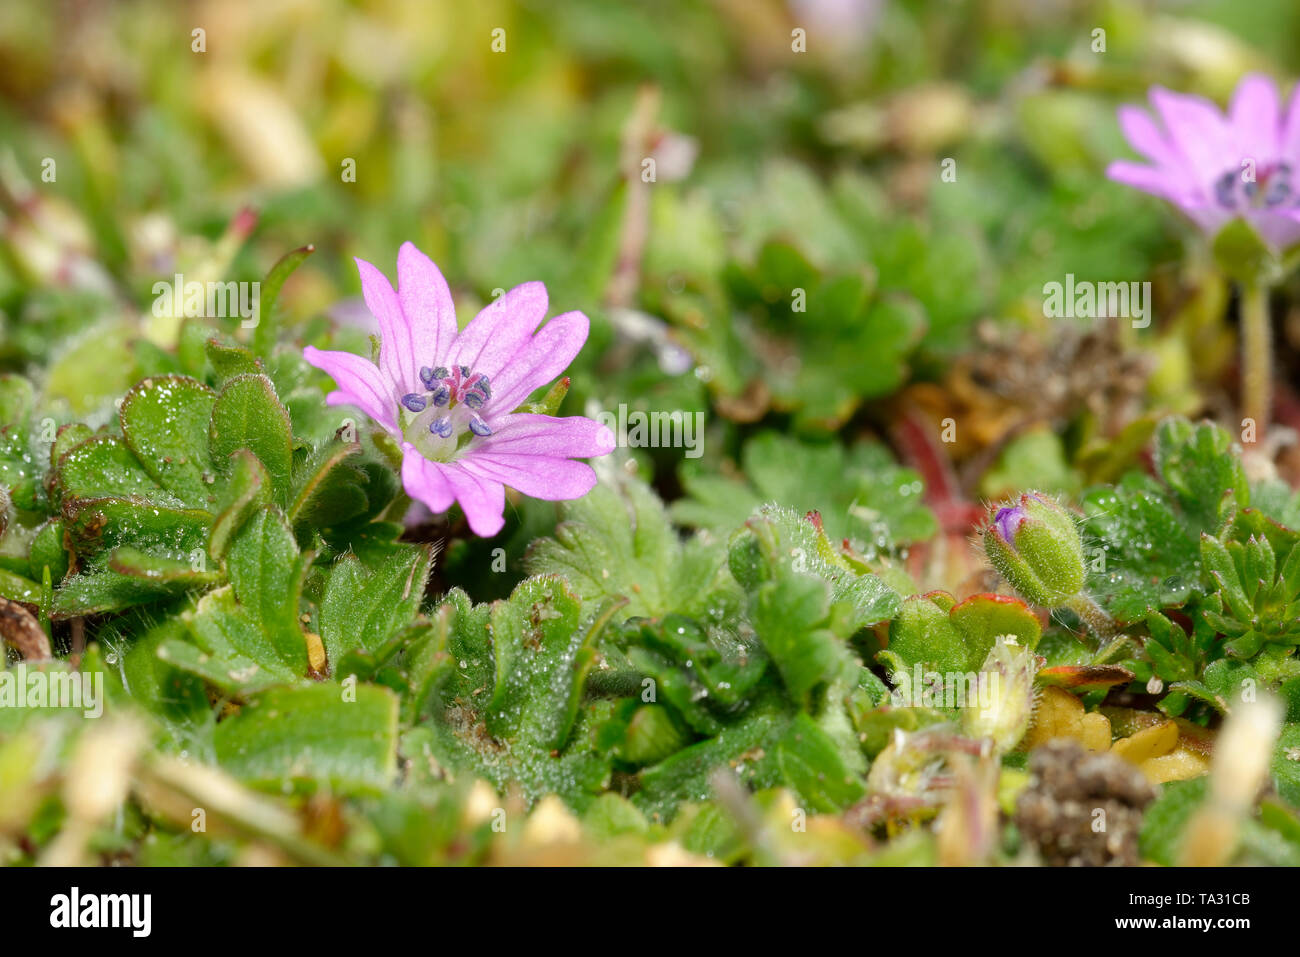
1006,695
1035,546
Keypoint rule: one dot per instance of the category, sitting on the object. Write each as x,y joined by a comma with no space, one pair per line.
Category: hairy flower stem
1092,615
1256,355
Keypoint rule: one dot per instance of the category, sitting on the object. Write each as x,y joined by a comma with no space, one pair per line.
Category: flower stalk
1256,355
1092,615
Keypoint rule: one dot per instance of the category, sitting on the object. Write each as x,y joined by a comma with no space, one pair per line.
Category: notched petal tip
484,523
605,441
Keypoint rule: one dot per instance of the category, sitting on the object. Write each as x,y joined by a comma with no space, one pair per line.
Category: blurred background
922,169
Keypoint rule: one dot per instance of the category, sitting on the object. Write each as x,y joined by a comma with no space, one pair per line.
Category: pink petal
489,343
540,476
426,306
1146,137
1210,217
483,500
1200,134
1280,229
424,480
439,485
1290,141
526,433
396,348
541,360
359,382
1254,116
1149,179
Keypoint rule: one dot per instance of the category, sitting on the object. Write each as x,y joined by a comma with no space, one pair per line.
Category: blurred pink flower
448,396
841,24
1218,168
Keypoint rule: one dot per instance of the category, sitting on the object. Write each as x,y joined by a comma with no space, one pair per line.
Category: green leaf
17,588
865,360
93,593
981,619
95,367
542,659
171,694
247,635
328,489
363,608
1166,818
707,678
247,489
469,643
1274,839
1143,555
1202,468
1146,549
947,269
95,526
266,326
229,650
48,551
173,571
792,618
237,647
266,572
617,541
860,493
1217,561
165,423
812,765
745,749
924,634
639,734
17,399
229,360
512,685
1224,684
612,815
313,736
67,438
1285,767
779,539
103,466
248,415
549,404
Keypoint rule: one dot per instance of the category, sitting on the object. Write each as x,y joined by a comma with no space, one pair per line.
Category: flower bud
1006,694
1035,546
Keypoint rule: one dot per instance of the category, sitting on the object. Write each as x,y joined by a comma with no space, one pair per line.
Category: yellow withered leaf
1059,715
1178,765
1152,742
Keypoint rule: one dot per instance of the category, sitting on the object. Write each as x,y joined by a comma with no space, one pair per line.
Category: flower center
1271,189
445,417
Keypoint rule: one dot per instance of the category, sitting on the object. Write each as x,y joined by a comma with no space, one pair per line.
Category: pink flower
448,396
1219,168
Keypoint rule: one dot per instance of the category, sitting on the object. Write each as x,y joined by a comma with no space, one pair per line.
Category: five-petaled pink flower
448,396
1219,168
